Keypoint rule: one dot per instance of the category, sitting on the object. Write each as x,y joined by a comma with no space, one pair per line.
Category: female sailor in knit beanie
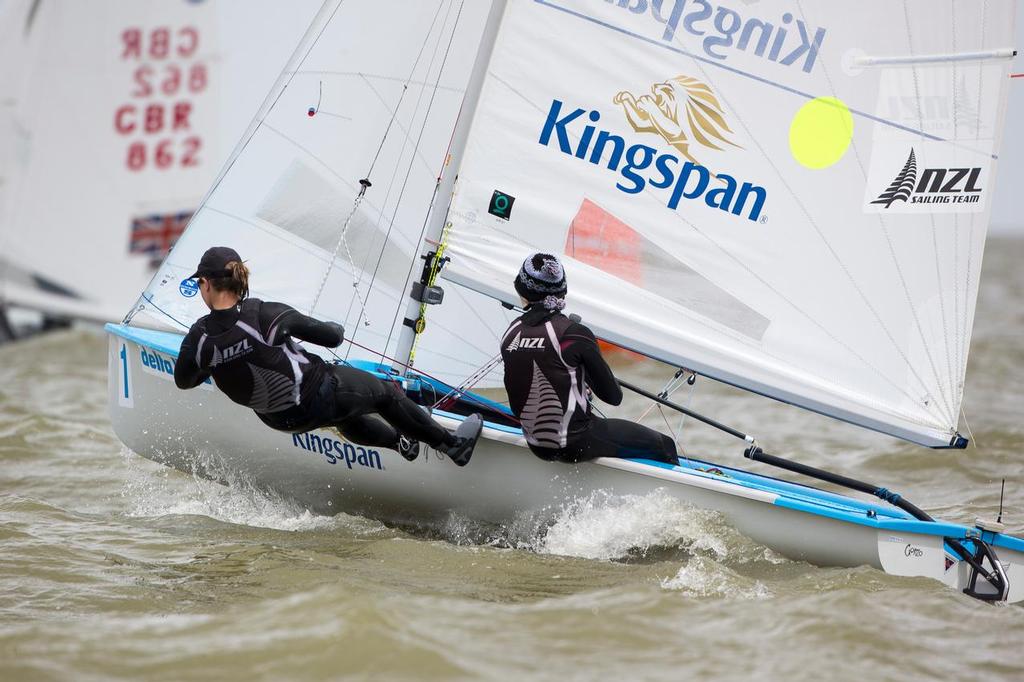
550,362
542,279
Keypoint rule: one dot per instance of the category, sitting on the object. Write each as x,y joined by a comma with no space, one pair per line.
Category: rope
474,378
963,413
363,185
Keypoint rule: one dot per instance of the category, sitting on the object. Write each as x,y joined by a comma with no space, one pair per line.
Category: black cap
214,262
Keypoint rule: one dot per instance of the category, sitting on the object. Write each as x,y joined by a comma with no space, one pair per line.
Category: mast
439,212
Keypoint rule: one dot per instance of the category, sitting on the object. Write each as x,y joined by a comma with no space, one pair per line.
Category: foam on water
163,492
605,526
702,577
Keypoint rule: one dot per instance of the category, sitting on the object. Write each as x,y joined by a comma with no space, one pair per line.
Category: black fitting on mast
425,292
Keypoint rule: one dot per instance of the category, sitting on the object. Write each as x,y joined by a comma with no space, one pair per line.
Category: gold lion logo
659,113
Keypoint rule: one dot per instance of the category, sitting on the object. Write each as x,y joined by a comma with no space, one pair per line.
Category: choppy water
112,567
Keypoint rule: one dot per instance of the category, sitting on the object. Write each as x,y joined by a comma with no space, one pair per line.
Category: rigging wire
406,136
416,146
474,378
963,413
365,183
681,376
430,105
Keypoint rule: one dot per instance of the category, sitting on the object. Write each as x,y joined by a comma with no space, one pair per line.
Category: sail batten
870,60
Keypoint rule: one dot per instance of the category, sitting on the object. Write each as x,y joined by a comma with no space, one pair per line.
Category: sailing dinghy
806,188
115,117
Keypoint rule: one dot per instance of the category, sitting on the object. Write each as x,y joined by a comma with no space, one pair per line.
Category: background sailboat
115,117
852,308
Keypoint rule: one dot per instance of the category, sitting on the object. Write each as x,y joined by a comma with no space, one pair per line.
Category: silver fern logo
271,390
542,414
903,186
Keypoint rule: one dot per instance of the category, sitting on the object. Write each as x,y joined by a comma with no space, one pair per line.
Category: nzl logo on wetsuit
528,343
230,353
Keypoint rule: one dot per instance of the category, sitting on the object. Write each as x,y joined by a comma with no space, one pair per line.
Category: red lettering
124,120
172,82
164,154
136,156
160,43
154,121
163,157
132,38
197,78
189,41
141,77
182,110
192,145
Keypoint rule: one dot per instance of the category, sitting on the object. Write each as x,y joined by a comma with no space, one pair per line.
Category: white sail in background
373,91
16,17
801,189
118,115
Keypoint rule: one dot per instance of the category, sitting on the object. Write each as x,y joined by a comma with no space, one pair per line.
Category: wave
154,491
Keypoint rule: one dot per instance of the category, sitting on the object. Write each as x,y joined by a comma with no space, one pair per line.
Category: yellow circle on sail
821,132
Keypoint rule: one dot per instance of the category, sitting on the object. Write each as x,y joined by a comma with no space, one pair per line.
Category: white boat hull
202,432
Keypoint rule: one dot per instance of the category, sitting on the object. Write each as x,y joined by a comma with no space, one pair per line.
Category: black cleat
408,448
465,440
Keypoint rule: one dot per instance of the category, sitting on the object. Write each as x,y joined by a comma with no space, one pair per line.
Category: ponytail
237,281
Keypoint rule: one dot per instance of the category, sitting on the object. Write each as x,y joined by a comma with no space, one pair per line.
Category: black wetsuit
250,352
549,363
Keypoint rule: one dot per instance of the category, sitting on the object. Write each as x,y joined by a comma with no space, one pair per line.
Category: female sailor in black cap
247,346
550,363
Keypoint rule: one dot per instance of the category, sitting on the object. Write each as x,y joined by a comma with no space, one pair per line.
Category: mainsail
327,195
807,186
115,117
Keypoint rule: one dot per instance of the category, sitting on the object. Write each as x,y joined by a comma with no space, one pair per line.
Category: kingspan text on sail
720,29
640,165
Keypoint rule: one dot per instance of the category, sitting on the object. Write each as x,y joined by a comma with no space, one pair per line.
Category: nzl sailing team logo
689,120
930,185
528,343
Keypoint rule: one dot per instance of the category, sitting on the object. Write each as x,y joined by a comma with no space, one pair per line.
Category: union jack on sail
155,234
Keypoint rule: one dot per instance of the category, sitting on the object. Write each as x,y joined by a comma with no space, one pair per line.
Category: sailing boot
465,438
408,448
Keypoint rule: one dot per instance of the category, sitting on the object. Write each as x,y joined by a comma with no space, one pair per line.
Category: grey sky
1006,205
